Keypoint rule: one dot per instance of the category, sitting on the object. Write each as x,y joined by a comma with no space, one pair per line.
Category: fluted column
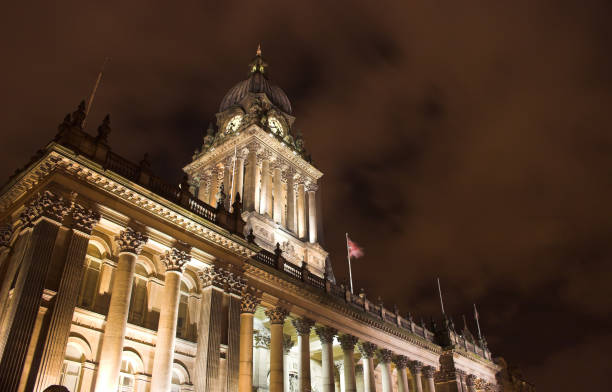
428,372
384,357
367,351
301,211
312,214
265,187
291,200
227,179
174,260
401,362
130,244
214,187
470,380
348,342
277,319
303,327
278,195
326,335
238,179
248,306
58,328
288,344
250,183
416,370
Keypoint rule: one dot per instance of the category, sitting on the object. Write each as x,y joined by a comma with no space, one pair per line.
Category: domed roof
256,83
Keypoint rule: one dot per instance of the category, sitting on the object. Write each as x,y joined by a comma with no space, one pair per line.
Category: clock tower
254,151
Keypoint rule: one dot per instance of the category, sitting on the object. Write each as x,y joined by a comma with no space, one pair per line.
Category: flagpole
233,176
440,291
348,256
477,322
93,93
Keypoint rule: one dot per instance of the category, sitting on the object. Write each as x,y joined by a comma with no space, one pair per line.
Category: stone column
291,200
265,187
312,214
348,342
58,328
174,261
87,376
384,357
415,369
238,179
367,351
235,286
401,362
214,186
227,180
301,210
278,195
462,379
43,217
250,183
326,335
248,306
277,319
130,244
287,346
303,327
428,372
470,380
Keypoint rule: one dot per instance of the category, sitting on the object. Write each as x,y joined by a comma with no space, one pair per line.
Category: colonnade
267,186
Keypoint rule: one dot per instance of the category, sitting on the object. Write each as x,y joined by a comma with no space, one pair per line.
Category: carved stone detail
175,259
470,380
45,205
287,343
277,315
428,371
326,334
415,367
367,349
384,355
249,303
131,241
84,219
347,342
222,278
303,326
261,339
6,232
401,361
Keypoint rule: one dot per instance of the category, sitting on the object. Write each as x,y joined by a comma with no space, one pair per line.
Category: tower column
248,306
290,201
326,335
385,356
348,342
367,351
214,187
238,179
278,195
301,210
265,190
428,372
415,369
250,183
312,214
277,319
204,189
400,362
130,244
227,180
303,327
174,260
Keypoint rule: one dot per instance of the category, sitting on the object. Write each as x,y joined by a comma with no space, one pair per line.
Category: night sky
465,140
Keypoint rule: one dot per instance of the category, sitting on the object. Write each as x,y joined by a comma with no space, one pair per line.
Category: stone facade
113,280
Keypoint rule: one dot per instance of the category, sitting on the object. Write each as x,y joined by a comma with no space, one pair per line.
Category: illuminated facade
113,280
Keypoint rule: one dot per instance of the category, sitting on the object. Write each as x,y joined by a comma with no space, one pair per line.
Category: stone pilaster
250,183
416,370
290,174
174,260
277,319
130,244
301,211
348,342
312,214
235,286
57,330
303,327
238,179
367,351
264,194
248,306
326,335
384,357
401,362
278,195
43,217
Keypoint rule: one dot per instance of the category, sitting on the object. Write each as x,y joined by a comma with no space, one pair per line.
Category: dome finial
258,53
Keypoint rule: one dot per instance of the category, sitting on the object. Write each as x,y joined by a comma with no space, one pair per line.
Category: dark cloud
466,141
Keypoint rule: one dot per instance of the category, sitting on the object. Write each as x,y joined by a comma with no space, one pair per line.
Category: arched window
138,302
71,369
176,382
126,376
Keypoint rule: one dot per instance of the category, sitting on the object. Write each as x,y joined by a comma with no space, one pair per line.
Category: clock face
233,124
275,125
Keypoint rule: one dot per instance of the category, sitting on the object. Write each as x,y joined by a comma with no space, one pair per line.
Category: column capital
249,303
400,361
6,232
367,349
384,355
131,241
277,315
470,380
311,187
289,173
46,205
84,219
415,366
428,371
287,343
326,334
347,342
303,325
175,259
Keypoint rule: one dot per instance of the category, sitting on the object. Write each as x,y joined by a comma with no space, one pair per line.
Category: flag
354,250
